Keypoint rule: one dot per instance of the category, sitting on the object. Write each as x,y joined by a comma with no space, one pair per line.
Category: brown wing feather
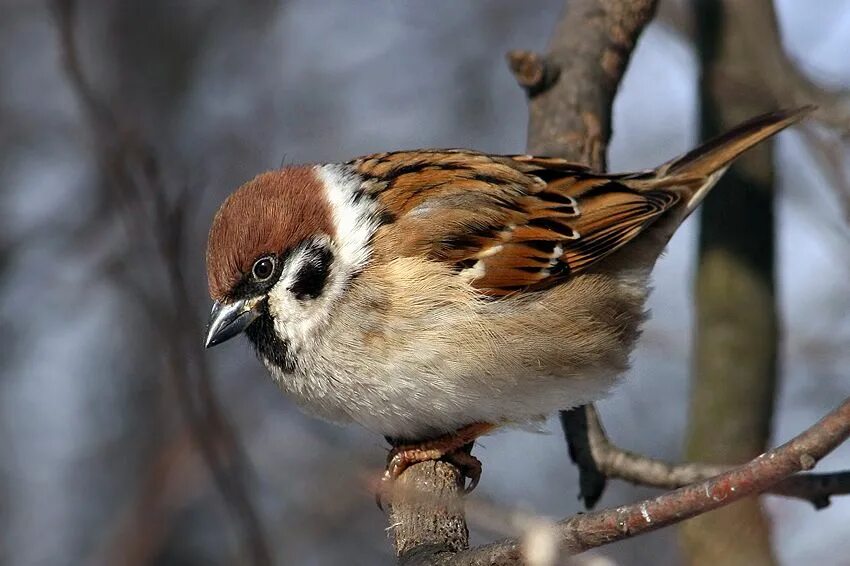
506,223
512,223
576,219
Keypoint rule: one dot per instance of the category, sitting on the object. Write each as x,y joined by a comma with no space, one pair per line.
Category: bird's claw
453,448
469,466
401,458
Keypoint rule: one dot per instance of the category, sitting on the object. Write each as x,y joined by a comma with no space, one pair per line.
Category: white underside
411,407
432,366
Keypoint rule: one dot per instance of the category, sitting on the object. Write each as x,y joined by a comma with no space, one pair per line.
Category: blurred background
112,164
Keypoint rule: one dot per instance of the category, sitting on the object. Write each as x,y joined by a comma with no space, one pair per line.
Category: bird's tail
699,169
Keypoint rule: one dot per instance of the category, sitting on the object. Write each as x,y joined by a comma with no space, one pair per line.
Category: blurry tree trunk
732,394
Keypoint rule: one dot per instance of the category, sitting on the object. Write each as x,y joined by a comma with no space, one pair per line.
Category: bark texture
425,528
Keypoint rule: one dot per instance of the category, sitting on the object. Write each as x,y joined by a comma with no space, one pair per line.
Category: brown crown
267,215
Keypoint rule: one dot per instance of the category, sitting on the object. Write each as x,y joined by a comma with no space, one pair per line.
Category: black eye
263,268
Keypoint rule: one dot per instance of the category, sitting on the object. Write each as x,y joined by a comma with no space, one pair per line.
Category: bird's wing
506,223
516,223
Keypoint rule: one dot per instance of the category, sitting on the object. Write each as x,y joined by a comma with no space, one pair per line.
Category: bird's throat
269,346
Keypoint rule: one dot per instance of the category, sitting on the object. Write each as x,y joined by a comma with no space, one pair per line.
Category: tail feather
720,151
707,163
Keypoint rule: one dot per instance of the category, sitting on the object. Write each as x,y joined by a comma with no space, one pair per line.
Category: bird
433,296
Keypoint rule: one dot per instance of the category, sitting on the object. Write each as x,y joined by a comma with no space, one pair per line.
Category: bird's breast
427,359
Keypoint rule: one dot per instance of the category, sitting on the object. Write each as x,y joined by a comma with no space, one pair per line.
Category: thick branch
583,532
570,117
736,325
571,92
570,108
423,528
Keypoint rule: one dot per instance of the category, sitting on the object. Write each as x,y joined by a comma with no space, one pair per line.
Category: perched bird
434,295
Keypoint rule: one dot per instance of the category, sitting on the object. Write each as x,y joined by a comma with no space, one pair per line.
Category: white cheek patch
355,221
354,215
293,319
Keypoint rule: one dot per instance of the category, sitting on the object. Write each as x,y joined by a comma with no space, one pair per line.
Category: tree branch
583,532
615,462
424,528
736,327
571,118
577,79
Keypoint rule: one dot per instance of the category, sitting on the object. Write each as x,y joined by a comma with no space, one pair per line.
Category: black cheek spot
311,280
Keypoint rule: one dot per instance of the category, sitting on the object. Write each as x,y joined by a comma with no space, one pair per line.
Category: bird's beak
229,319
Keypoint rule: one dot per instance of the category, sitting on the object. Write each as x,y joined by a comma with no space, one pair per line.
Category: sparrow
435,295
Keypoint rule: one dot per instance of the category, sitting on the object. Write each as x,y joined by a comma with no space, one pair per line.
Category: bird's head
281,250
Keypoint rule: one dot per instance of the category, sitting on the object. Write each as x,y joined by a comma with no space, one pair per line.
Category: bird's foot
453,448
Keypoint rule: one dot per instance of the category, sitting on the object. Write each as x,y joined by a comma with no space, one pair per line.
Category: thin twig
614,462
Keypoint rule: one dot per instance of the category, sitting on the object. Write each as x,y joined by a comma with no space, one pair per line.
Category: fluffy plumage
456,287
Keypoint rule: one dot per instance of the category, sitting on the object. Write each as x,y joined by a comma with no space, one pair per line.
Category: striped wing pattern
514,223
510,223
